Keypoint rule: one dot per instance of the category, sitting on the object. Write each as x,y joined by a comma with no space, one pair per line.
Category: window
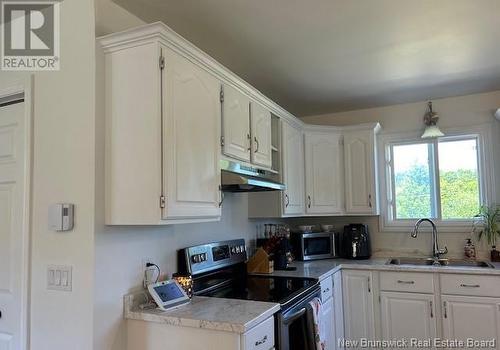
438,179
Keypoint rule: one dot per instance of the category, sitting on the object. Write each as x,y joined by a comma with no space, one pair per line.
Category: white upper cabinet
260,121
162,136
293,171
191,129
324,173
236,124
360,172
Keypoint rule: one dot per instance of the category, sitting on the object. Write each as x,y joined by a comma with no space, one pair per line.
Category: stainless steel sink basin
440,262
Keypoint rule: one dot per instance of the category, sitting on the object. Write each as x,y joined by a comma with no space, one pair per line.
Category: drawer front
326,288
415,282
261,337
473,285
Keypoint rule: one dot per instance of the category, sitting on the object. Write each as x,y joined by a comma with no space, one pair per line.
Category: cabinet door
408,315
260,120
191,129
324,168
293,170
236,124
360,174
327,324
358,298
476,318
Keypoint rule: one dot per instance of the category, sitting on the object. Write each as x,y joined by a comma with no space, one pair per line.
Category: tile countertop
230,315
321,269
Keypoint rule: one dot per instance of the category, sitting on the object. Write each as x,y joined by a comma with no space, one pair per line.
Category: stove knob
196,258
242,248
204,257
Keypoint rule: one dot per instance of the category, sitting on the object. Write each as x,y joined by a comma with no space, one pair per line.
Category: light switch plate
60,277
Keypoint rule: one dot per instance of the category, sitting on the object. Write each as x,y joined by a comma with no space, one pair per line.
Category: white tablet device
168,294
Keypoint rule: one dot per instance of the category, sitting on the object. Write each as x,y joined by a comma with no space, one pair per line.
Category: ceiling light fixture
430,120
497,114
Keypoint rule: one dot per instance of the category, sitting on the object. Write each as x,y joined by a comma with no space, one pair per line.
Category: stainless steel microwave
318,245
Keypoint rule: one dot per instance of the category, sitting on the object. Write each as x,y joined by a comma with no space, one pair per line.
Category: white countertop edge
175,317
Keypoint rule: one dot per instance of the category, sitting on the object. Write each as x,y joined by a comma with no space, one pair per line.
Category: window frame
387,219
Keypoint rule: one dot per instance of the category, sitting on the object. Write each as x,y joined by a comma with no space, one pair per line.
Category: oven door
295,328
318,245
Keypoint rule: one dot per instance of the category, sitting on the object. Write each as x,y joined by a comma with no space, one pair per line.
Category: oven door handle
294,316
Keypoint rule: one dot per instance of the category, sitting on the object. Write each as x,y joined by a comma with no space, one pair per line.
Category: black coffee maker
356,242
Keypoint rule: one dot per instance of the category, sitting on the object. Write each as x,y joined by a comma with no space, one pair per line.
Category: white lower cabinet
395,306
328,324
467,317
407,316
359,313
144,335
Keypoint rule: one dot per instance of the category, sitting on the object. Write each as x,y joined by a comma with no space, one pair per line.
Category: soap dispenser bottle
469,250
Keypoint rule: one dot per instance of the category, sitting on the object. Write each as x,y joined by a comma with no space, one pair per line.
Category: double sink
439,262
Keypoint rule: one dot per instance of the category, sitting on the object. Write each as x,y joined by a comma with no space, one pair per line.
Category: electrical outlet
148,273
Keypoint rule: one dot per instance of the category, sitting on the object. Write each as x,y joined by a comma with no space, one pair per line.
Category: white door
475,318
408,315
191,140
324,168
236,124
328,324
359,153
13,227
358,298
261,135
293,170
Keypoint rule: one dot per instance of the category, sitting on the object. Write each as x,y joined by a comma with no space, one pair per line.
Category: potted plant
487,226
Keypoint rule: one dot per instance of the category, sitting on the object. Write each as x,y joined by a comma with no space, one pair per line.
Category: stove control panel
212,256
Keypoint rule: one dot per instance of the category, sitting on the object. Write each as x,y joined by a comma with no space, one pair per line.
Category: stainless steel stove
218,270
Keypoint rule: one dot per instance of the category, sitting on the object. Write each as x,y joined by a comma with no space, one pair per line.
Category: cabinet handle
406,282
287,202
370,200
369,285
445,309
262,341
249,142
256,145
309,201
470,285
432,309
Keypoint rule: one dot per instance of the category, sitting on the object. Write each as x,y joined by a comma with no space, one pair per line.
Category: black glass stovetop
263,288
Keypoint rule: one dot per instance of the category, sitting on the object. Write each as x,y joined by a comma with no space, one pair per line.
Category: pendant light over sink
430,120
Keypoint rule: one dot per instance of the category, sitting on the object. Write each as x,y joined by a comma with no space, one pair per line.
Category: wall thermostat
61,217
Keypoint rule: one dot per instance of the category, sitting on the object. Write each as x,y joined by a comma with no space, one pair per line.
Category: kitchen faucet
436,252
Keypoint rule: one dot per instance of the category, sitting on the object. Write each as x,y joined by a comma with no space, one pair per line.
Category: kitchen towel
319,336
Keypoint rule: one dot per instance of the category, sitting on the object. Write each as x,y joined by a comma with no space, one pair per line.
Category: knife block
260,263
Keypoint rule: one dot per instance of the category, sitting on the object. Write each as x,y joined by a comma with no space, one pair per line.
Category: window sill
464,226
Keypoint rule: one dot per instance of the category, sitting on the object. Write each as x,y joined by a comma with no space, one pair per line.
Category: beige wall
453,112
63,168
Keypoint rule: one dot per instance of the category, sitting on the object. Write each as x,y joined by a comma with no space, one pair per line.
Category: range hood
236,177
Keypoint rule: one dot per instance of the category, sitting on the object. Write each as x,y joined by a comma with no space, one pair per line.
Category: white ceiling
319,56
